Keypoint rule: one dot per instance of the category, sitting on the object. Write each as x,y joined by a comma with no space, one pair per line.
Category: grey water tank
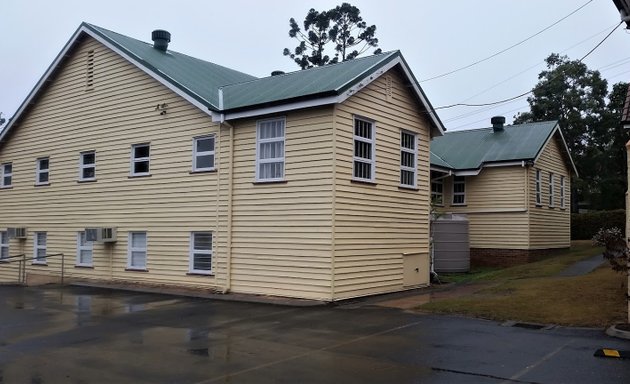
451,245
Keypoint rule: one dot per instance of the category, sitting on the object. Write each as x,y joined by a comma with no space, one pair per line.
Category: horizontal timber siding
117,112
376,223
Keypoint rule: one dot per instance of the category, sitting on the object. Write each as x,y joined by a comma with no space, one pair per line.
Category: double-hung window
42,171
459,190
270,150
39,248
562,193
4,245
137,250
203,153
551,190
538,188
408,156
437,189
87,166
84,250
6,175
201,252
364,162
140,159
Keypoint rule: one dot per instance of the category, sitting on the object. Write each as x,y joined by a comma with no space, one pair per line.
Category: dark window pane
141,151
8,168
141,167
43,177
203,241
205,145
7,180
206,161
89,173
202,262
89,158
43,164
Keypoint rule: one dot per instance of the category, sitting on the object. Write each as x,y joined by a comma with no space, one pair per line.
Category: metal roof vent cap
161,38
277,73
497,123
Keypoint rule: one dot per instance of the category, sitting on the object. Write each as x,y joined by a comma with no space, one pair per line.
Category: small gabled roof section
471,150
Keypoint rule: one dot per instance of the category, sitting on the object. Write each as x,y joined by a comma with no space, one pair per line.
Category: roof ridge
441,158
506,126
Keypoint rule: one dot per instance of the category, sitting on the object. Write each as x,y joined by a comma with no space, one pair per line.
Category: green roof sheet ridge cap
387,57
150,67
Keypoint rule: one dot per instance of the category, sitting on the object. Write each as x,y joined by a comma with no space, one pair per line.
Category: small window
459,190
203,153
84,250
551,190
437,189
42,173
562,193
87,166
4,245
39,248
201,252
538,188
140,158
364,155
408,156
270,150
6,175
137,250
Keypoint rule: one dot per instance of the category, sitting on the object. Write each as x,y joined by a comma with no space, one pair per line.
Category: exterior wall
119,111
495,206
375,223
281,232
550,227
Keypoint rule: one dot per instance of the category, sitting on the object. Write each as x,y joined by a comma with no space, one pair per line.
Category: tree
569,92
341,26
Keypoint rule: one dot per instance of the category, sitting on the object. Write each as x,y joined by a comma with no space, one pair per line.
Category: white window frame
39,171
552,179
196,153
88,246
83,166
562,192
538,186
371,141
135,160
37,247
4,173
462,182
193,251
131,248
413,152
278,139
4,244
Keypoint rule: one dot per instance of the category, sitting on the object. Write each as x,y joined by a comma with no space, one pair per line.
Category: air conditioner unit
16,233
106,235
91,234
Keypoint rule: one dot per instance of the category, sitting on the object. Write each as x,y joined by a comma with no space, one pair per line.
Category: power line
506,49
528,92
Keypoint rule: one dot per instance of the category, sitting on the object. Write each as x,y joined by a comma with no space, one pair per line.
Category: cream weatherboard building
514,185
144,165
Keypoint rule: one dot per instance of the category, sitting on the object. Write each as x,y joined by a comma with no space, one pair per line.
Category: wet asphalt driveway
82,335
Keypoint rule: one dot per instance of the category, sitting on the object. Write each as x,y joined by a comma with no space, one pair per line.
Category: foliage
585,225
341,26
589,117
616,252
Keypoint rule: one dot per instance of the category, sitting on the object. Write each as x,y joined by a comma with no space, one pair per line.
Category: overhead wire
508,48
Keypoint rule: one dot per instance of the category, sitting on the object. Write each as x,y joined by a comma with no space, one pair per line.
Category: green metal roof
327,80
471,149
200,79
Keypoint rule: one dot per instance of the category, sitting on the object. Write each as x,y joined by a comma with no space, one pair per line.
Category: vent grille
89,70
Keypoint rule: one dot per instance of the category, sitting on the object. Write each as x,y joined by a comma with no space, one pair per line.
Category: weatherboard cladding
471,149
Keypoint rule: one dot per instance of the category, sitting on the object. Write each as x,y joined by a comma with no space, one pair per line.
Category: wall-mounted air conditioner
101,235
16,233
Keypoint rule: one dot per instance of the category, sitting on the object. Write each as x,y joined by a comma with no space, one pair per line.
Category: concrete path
583,267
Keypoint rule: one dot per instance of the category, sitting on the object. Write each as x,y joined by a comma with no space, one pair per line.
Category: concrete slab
583,267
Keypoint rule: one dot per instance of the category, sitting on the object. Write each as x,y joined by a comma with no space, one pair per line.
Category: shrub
586,225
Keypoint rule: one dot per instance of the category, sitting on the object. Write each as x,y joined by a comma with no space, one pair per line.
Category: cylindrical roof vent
497,123
161,38
277,73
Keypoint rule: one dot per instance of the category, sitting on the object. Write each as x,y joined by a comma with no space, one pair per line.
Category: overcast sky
435,36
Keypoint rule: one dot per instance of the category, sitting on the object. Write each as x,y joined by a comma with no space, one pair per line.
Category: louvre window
201,252
364,156
459,190
408,156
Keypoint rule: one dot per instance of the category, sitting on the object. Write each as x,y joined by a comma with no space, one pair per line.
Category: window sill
42,184
40,263
138,176
86,181
7,187
364,182
213,170
538,205
5,261
269,182
84,266
459,205
136,269
408,188
209,274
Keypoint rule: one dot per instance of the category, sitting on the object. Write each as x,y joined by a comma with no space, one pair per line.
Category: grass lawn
533,292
